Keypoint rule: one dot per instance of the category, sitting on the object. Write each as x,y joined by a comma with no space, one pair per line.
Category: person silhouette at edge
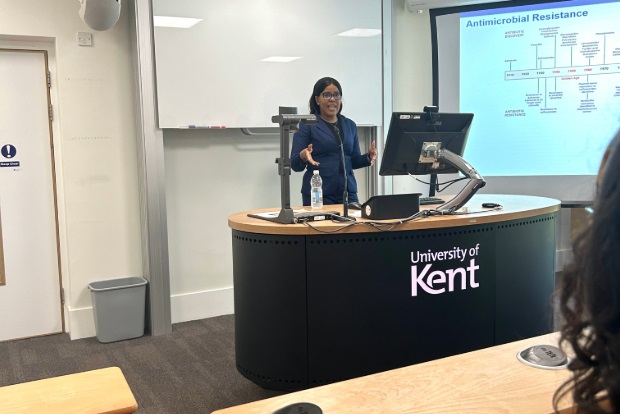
589,297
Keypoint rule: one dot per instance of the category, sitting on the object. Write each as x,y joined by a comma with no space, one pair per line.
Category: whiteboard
212,73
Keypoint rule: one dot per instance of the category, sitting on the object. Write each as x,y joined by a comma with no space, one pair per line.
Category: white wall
94,139
412,74
411,58
94,144
97,171
209,176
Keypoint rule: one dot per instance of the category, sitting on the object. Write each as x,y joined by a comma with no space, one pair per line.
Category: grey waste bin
119,307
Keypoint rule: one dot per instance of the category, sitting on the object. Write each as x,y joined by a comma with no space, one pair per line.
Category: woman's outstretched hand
306,156
372,153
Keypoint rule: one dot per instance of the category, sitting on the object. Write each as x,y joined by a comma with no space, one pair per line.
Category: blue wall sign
8,151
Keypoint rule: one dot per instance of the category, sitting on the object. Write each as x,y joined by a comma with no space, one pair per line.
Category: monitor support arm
432,152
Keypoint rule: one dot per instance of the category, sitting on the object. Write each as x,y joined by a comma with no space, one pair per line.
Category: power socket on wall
85,39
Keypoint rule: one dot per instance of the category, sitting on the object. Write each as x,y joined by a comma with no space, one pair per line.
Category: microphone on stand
345,195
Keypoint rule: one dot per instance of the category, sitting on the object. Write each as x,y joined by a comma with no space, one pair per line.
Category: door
30,290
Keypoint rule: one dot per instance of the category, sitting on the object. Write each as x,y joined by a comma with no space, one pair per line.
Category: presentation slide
543,81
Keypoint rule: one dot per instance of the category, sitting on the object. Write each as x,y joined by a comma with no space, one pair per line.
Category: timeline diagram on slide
545,76
568,65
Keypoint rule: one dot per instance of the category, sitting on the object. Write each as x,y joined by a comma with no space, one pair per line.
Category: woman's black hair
589,296
319,87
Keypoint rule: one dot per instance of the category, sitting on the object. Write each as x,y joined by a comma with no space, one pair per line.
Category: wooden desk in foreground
101,391
489,381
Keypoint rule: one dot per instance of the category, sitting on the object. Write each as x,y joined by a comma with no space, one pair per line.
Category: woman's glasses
329,95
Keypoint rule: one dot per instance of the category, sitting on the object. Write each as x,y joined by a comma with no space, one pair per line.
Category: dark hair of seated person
589,297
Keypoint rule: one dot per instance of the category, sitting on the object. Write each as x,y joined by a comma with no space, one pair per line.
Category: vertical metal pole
150,149
284,168
385,184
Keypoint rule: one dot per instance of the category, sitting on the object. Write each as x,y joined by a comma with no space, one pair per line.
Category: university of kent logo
438,281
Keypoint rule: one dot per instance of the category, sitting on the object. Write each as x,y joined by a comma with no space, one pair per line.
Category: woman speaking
320,146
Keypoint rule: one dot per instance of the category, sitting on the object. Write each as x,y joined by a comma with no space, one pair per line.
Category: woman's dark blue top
326,151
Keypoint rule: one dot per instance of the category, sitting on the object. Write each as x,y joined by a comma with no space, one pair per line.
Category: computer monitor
409,130
431,142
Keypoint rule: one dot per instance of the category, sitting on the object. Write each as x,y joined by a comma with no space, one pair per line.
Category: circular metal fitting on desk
544,356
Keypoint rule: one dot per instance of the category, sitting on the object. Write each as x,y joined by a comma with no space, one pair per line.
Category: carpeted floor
191,370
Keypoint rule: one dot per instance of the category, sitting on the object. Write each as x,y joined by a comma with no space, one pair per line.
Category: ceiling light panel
280,59
177,22
360,32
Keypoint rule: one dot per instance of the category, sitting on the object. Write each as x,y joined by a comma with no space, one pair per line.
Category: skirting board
201,305
562,258
185,307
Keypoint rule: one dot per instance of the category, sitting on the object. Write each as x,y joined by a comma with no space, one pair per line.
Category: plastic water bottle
316,191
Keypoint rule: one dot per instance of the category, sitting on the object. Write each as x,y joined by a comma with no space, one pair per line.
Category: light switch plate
85,39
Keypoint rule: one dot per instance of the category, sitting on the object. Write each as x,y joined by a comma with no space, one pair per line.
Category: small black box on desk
386,207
